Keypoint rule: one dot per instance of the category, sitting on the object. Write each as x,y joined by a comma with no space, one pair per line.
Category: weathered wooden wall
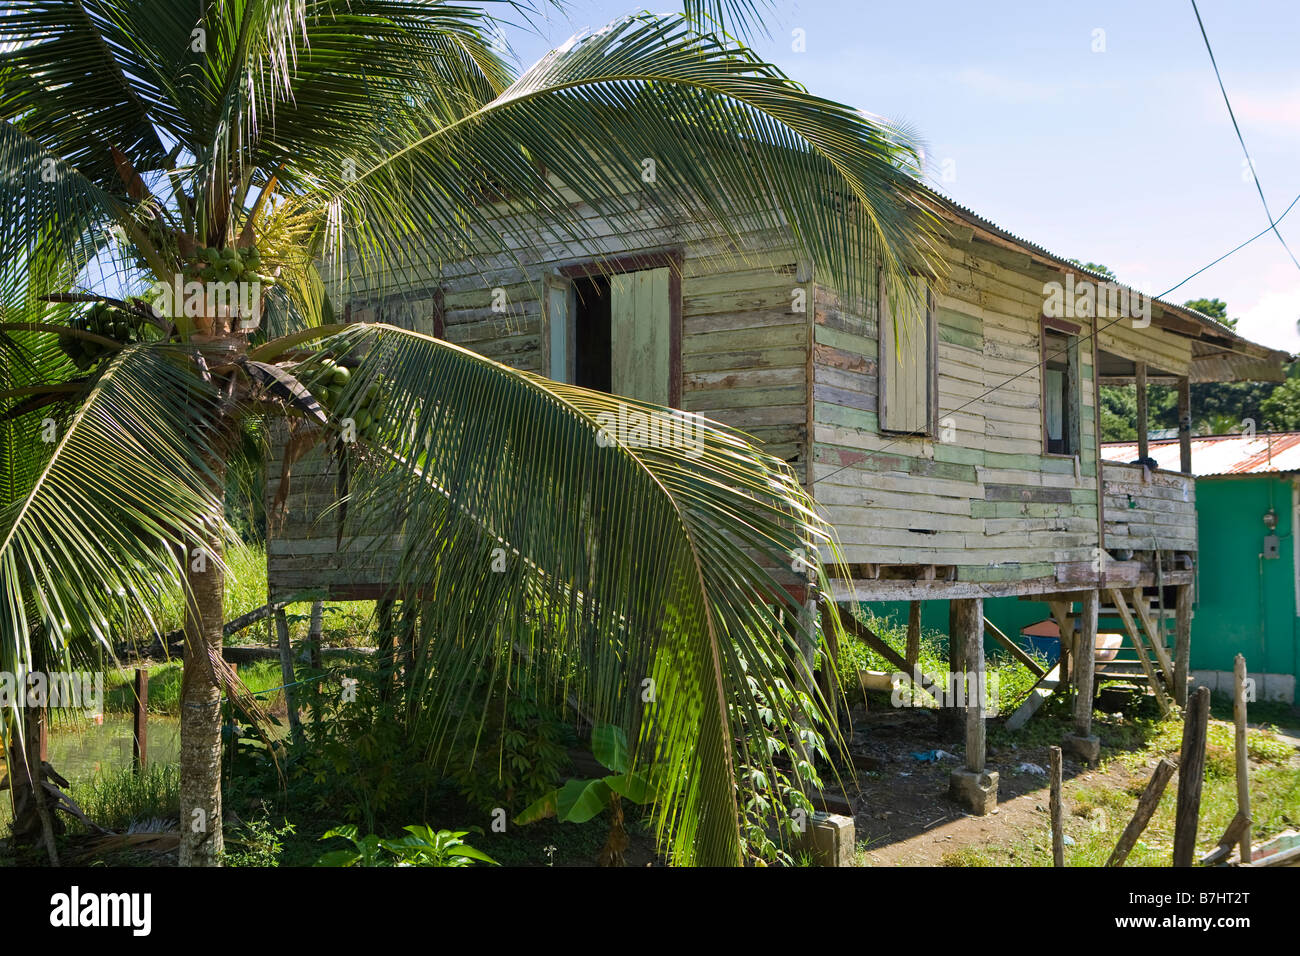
979,496
1148,510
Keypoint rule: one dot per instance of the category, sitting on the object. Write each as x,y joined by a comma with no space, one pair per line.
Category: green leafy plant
515,755
257,842
581,800
422,846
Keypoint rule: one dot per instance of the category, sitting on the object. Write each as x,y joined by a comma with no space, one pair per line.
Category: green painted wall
1245,605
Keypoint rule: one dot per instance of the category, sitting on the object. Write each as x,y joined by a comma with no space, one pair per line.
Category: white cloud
1271,319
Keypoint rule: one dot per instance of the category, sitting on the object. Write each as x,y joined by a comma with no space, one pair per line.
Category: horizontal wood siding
1148,510
980,494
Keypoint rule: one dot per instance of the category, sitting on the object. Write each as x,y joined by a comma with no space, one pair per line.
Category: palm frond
107,505
646,122
549,542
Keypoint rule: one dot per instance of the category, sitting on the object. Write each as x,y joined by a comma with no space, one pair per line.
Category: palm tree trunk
201,838
32,818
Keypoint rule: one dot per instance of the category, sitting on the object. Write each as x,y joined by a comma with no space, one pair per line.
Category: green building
1247,590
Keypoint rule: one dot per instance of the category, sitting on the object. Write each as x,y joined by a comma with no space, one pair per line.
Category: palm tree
299,146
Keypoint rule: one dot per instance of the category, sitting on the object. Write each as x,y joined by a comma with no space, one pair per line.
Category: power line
1249,162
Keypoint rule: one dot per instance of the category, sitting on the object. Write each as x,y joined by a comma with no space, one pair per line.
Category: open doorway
592,365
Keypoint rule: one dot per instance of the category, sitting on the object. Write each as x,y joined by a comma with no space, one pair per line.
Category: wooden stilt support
973,786
1182,642
1062,613
913,635
1013,649
1083,664
286,671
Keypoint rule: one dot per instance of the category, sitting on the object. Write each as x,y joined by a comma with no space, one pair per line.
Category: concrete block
976,791
830,839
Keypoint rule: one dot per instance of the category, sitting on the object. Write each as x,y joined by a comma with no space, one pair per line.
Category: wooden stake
1243,765
1147,804
1140,378
140,727
1058,831
1185,425
1191,776
1238,829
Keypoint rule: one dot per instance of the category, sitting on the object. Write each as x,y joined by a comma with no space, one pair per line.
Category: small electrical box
1271,547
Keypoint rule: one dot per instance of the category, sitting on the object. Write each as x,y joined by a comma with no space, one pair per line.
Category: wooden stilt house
955,452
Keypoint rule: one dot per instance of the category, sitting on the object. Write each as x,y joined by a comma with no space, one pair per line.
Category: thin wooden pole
140,725
1083,664
968,632
286,671
1243,765
1140,378
1184,426
1191,776
1147,804
1058,831
913,635
1182,641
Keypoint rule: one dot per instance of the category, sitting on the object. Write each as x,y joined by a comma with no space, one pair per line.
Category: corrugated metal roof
1220,454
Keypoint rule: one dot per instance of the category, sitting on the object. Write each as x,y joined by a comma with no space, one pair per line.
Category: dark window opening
592,365
1060,392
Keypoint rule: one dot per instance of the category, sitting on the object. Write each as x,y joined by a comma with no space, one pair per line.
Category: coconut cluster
328,385
230,264
101,319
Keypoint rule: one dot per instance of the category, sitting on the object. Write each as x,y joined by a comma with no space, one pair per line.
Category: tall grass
116,799
262,678
1013,679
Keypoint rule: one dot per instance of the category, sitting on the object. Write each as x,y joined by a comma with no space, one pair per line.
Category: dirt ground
903,815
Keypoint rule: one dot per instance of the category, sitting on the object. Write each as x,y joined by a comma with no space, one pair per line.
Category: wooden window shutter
907,362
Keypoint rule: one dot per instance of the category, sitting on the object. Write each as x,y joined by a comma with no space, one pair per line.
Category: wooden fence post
1242,752
140,723
1147,804
286,671
1058,831
1191,776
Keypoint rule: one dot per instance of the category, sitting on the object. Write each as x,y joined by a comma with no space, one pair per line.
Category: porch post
1185,425
1140,378
1082,742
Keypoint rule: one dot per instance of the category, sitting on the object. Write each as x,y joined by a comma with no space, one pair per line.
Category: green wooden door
639,335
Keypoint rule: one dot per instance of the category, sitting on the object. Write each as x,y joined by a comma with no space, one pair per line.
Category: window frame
672,260
1073,410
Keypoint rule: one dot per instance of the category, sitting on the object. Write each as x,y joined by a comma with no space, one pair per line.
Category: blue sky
1124,157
